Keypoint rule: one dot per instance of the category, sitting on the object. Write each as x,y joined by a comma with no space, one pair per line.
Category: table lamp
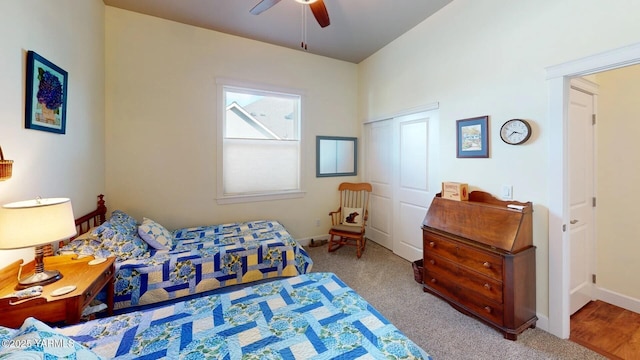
36,223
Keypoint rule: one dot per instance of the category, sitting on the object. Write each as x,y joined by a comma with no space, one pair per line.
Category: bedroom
467,62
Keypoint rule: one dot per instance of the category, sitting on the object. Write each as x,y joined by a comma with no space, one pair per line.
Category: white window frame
223,198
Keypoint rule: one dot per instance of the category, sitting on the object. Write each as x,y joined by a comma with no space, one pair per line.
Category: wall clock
515,131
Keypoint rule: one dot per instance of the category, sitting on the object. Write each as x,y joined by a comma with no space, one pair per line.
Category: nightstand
88,279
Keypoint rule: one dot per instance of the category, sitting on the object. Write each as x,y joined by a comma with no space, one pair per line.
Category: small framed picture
473,137
46,95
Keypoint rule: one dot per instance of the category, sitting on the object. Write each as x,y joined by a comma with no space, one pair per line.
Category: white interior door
412,195
378,162
401,164
581,195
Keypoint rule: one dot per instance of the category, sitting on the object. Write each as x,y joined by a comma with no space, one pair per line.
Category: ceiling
358,28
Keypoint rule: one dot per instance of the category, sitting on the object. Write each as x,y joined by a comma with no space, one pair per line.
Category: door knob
574,221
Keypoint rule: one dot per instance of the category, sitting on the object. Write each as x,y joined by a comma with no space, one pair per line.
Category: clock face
515,131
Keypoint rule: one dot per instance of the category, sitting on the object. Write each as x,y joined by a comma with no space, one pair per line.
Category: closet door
401,164
378,164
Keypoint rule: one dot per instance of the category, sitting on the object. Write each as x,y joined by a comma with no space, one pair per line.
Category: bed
310,316
154,264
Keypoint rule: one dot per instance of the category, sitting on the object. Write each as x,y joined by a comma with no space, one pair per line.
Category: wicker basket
5,167
417,271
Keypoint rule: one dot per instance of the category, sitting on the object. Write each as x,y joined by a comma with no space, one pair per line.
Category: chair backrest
354,197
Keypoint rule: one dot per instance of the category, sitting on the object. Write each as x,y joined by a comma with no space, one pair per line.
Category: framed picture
473,137
336,156
46,100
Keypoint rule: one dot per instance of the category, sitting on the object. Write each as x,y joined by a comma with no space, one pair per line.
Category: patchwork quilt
210,257
193,260
311,316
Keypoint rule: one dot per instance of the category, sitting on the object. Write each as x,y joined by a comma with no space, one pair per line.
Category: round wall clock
515,131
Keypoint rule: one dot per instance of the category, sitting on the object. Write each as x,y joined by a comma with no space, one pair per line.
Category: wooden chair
349,221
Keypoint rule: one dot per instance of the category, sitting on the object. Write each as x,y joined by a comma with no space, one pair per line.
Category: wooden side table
88,280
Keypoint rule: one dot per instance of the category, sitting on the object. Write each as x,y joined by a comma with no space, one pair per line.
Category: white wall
488,58
161,116
618,159
69,33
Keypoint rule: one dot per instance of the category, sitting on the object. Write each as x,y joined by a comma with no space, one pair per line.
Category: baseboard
307,240
617,299
543,322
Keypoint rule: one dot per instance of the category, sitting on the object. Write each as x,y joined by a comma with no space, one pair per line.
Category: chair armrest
335,216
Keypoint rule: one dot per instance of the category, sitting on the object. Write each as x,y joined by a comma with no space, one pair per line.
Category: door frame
559,81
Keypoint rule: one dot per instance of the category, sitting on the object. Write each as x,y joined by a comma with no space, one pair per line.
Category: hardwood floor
607,329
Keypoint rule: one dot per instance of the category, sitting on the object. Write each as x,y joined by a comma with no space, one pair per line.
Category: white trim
559,77
410,111
235,199
542,323
608,60
617,299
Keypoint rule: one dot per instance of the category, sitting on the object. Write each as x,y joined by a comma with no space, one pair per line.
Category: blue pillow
124,246
121,222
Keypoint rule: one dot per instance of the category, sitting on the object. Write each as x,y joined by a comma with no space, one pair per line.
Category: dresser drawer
475,259
482,306
483,285
443,283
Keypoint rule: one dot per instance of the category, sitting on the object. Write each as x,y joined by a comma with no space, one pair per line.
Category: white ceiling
358,28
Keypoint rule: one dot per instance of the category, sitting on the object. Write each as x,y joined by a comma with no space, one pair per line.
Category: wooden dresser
479,257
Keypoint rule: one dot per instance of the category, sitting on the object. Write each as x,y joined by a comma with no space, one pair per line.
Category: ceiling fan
317,8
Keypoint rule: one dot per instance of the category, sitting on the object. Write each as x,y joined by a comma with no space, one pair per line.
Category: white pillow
352,216
156,235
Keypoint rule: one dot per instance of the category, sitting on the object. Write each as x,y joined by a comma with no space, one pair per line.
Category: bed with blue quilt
310,316
154,264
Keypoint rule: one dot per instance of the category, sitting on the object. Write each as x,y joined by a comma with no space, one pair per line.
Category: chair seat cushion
347,228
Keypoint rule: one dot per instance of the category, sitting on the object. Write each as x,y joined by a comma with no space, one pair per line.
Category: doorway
559,77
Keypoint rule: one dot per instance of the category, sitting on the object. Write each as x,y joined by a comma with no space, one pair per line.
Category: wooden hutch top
483,219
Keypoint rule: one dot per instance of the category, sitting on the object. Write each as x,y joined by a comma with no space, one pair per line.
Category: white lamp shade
36,222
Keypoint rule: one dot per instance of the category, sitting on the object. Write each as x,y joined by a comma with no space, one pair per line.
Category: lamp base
39,278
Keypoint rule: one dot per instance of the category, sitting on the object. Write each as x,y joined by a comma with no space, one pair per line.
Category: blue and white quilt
311,316
199,259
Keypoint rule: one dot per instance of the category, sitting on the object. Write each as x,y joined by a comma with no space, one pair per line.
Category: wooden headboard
83,224
94,218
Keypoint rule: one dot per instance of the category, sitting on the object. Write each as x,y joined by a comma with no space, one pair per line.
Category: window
260,144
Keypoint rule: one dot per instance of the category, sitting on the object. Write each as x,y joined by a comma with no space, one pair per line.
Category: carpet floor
386,281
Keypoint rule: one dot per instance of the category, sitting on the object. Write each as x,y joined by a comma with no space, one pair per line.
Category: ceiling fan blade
263,6
320,12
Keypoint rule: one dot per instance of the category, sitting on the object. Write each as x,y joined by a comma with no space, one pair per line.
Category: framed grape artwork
46,100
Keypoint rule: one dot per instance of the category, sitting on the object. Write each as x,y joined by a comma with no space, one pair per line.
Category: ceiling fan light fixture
306,2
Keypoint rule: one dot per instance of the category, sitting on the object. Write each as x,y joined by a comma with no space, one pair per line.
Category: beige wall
489,58
69,33
618,164
161,116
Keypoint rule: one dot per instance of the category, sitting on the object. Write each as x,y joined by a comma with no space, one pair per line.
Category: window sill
235,199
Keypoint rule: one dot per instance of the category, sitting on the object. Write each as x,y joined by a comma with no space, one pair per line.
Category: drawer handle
487,286
88,294
433,281
487,309
433,262
432,244
487,265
